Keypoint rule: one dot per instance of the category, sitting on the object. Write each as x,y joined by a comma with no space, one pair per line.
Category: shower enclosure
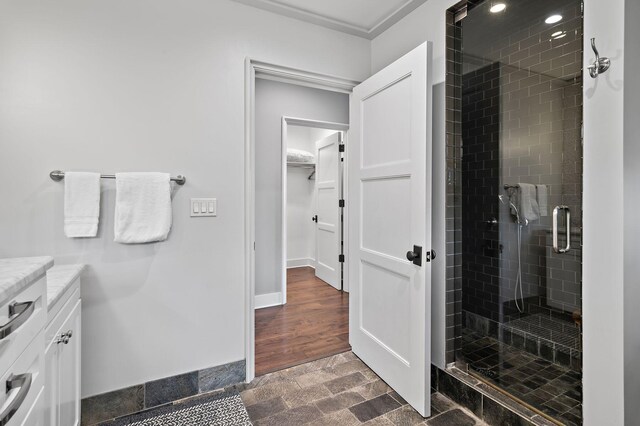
514,120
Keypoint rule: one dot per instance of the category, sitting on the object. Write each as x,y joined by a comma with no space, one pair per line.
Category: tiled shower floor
550,388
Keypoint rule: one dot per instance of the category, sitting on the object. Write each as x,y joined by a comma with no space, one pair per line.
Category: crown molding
336,24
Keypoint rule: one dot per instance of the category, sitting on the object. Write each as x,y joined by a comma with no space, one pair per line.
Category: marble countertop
58,280
19,272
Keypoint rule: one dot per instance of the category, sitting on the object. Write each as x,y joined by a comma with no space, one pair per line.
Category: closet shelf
301,165
309,166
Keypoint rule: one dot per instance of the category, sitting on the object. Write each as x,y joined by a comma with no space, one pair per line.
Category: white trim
301,263
302,14
268,300
249,220
264,70
282,74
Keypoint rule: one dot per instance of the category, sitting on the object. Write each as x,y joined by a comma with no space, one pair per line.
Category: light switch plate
204,207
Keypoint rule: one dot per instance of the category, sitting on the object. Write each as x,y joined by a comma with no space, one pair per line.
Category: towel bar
58,175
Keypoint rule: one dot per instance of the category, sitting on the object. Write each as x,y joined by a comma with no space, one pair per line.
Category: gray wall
631,214
273,101
143,85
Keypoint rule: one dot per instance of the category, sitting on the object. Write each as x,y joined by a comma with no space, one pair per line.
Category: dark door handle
315,218
415,256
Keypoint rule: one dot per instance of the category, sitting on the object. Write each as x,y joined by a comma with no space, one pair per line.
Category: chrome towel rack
58,175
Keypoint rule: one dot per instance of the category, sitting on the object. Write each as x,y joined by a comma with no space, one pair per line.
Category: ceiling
363,18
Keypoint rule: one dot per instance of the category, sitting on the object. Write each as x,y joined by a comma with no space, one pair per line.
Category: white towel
529,210
81,204
542,196
300,156
143,207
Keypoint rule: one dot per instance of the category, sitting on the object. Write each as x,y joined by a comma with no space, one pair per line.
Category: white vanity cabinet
62,358
39,342
23,315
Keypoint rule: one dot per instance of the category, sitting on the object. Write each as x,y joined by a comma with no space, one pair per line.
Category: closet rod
58,175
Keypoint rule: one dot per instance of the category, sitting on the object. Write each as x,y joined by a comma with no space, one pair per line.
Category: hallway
313,324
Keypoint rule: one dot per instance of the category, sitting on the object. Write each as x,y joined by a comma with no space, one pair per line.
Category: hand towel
300,156
143,207
542,196
81,204
529,209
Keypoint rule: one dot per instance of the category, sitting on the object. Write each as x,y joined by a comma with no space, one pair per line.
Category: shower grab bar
567,226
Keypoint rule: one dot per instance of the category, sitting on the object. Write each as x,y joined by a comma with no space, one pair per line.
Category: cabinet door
51,390
36,415
69,370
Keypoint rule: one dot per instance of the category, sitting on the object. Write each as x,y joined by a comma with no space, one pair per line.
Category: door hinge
431,254
340,203
341,147
341,258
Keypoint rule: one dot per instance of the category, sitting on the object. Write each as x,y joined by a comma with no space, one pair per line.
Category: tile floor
551,388
339,390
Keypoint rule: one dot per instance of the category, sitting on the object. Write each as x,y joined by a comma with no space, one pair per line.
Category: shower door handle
567,224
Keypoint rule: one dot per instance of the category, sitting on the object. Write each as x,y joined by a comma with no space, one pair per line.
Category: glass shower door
521,201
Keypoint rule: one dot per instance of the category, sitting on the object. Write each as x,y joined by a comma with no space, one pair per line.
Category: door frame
254,69
316,124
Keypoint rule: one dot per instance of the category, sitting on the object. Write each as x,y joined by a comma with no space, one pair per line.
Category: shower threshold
549,389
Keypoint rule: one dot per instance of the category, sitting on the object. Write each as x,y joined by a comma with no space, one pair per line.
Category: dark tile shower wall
520,120
453,102
481,289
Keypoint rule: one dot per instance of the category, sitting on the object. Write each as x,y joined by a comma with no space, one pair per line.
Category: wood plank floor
313,324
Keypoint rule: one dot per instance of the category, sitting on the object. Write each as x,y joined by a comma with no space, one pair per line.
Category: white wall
603,186
273,101
301,236
603,254
143,85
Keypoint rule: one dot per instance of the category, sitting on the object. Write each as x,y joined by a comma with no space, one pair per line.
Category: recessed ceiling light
557,33
553,19
498,7
561,35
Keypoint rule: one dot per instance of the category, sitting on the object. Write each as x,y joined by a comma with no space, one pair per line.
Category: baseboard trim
268,300
300,263
127,401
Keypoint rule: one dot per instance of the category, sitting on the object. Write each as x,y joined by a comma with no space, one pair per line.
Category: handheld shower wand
516,214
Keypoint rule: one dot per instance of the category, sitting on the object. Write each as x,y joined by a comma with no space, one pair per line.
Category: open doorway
388,211
301,299
313,199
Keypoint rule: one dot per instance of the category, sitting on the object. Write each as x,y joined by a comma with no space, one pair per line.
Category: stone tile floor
339,390
551,388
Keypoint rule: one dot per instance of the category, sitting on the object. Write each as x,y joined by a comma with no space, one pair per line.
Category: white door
328,230
389,155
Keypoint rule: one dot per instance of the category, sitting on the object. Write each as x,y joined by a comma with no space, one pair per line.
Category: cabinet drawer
22,385
21,319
